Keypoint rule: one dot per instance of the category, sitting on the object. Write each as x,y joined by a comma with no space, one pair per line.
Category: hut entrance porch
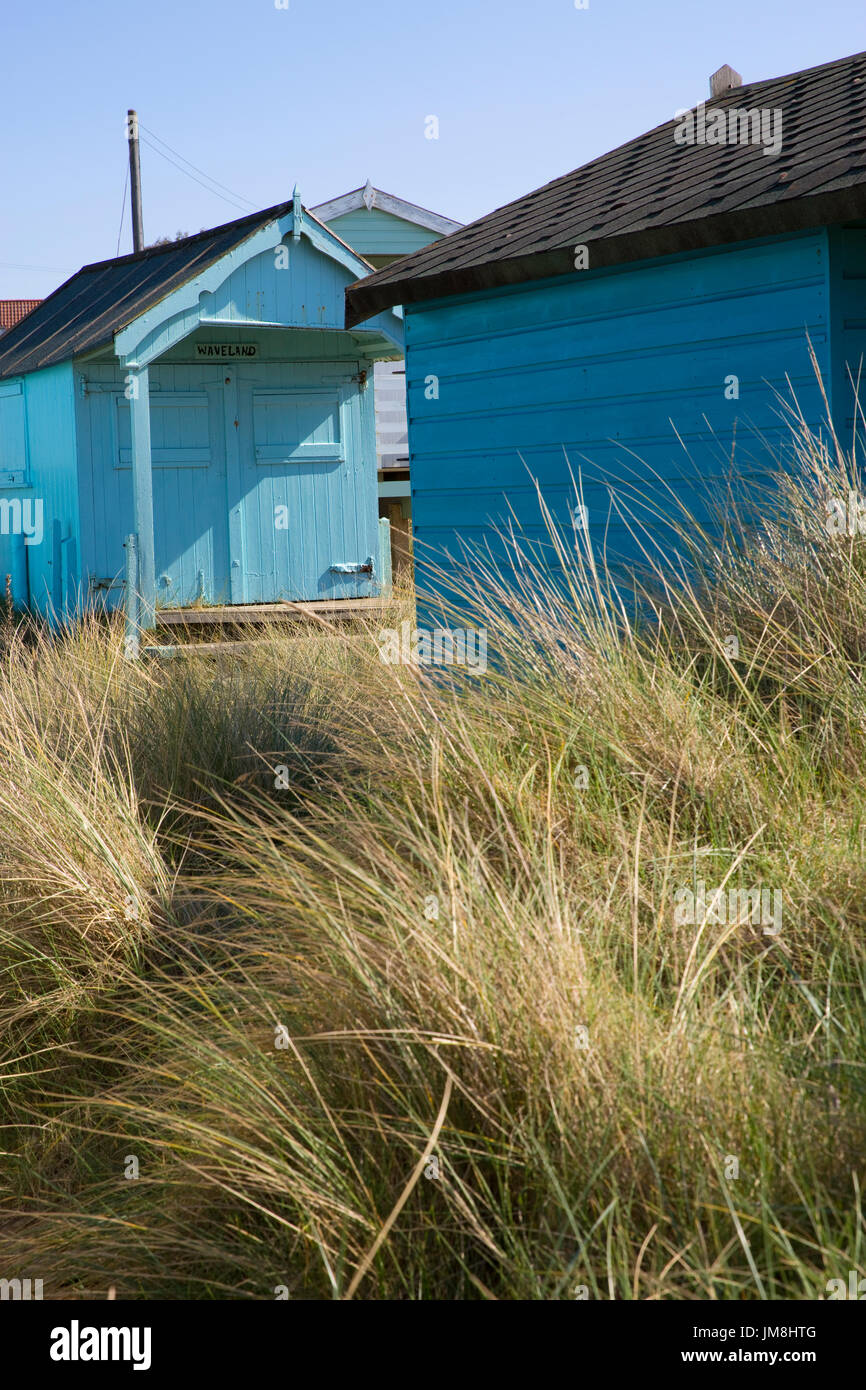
257,480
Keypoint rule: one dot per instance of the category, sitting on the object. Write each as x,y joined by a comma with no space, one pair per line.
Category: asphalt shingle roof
653,196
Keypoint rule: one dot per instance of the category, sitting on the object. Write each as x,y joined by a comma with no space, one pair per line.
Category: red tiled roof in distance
13,310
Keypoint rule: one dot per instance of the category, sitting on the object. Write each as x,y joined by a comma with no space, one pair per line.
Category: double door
264,481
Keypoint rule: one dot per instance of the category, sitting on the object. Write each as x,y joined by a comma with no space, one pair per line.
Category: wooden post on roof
135,181
724,80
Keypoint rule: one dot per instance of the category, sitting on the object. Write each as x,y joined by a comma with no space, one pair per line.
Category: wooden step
324,610
226,648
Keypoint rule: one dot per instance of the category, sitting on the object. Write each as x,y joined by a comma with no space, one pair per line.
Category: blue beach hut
637,321
205,397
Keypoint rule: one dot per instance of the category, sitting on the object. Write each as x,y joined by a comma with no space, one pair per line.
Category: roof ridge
786,76
181,242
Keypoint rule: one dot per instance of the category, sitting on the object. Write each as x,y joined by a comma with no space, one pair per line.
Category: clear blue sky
330,92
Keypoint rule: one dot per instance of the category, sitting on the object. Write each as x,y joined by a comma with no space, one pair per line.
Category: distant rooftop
12,311
369,197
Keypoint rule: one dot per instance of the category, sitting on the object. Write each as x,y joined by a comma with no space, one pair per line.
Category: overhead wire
122,210
16,265
183,160
236,200
237,206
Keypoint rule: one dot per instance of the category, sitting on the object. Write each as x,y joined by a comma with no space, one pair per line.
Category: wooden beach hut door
188,455
262,489
187,438
189,496
301,523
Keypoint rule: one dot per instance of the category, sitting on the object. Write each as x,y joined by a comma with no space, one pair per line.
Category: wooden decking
333,610
195,624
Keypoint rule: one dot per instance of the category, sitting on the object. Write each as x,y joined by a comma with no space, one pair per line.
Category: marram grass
414,1017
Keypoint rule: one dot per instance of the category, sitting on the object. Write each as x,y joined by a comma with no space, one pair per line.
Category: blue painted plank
620,377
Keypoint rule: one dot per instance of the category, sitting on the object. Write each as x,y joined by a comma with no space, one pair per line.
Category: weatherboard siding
54,565
392,439
308,291
600,373
13,488
37,449
372,232
848,319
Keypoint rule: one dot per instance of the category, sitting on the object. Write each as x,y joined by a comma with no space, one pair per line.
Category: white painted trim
386,202
129,342
182,311
350,202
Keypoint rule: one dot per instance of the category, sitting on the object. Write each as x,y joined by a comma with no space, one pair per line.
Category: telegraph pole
135,181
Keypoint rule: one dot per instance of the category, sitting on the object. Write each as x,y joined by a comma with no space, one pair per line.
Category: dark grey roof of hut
653,196
85,313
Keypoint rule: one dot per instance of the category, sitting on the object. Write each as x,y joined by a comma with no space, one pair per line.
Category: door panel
189,490
303,484
297,425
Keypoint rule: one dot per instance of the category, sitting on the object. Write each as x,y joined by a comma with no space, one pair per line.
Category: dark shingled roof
653,197
101,299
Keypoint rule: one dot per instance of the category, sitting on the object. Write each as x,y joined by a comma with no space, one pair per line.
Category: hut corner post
385,577
132,625
142,488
